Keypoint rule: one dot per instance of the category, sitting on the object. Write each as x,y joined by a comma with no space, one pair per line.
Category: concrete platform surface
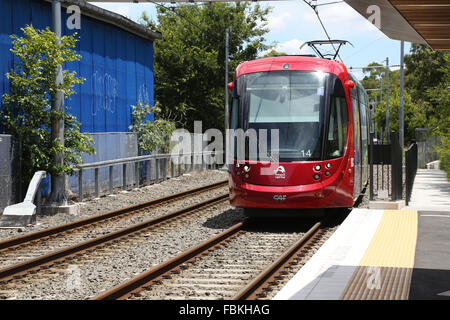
370,256
384,254
431,191
431,274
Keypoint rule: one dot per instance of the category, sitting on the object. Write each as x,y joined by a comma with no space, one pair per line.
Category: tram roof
300,62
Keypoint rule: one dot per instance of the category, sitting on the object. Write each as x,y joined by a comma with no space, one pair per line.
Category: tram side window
234,112
337,129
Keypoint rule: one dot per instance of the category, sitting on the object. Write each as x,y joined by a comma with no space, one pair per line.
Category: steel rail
56,255
250,290
83,222
125,289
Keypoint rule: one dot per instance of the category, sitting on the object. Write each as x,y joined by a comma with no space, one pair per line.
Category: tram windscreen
292,102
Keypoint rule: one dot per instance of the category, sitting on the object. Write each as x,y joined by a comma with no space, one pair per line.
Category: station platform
384,254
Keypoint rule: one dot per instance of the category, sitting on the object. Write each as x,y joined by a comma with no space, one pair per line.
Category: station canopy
418,21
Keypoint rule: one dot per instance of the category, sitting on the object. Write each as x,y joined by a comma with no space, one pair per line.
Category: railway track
44,268
36,244
232,265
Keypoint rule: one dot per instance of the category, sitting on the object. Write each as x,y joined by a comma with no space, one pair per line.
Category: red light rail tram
322,114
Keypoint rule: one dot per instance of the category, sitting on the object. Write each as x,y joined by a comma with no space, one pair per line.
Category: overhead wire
327,3
314,6
363,48
173,10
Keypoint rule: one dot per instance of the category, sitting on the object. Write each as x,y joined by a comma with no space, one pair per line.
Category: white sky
291,23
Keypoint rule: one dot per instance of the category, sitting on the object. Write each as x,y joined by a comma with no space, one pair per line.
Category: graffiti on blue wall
105,102
117,65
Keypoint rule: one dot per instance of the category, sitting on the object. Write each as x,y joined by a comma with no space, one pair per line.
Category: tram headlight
327,173
317,167
246,168
328,165
316,176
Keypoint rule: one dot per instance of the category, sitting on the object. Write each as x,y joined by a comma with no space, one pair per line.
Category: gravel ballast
121,200
87,276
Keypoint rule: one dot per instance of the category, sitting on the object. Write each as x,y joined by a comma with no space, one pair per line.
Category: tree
427,97
190,58
372,81
425,68
440,120
274,53
428,79
414,116
152,135
27,113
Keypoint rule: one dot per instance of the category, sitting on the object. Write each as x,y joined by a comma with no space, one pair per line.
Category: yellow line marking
394,242
384,272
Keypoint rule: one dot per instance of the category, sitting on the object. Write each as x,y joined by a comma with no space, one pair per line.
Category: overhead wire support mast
58,194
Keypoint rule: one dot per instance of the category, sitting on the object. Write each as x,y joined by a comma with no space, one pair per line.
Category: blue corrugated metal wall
117,65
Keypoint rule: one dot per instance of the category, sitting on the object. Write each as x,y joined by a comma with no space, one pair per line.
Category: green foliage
27,113
440,119
372,81
274,53
427,96
414,113
439,101
425,68
428,79
190,58
152,135
444,155
414,117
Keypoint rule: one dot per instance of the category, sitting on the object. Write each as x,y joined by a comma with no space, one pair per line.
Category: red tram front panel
324,180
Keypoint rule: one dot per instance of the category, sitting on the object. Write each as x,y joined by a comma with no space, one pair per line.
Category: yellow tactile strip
384,272
378,283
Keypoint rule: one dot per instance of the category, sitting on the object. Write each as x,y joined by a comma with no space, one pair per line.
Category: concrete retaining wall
7,172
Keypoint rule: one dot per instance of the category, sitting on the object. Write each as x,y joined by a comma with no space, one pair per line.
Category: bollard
149,172
80,185
111,185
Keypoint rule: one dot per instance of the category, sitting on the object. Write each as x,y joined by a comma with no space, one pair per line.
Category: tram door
357,141
364,137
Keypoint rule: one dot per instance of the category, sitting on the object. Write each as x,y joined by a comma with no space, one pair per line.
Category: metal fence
385,161
426,146
379,169
411,162
148,169
108,146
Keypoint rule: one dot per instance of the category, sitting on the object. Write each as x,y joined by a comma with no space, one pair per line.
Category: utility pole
381,87
401,111
381,99
227,36
227,120
58,195
374,112
387,99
